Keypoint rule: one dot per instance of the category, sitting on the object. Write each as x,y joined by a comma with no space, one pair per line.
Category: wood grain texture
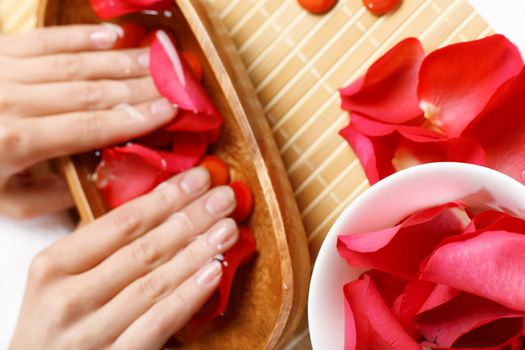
270,293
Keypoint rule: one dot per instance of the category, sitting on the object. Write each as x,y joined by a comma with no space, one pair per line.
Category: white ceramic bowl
384,205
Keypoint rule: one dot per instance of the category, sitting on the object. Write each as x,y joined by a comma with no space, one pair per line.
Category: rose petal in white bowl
384,205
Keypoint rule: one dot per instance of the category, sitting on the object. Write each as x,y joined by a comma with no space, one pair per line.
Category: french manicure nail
143,59
162,109
106,36
220,200
209,273
195,180
221,234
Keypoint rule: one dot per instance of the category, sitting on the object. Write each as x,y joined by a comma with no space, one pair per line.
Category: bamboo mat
297,62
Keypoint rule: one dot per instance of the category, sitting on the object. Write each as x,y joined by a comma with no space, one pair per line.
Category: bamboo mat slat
297,61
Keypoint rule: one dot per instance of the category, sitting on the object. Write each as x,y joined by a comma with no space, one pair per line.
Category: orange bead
381,7
218,169
317,6
244,198
195,64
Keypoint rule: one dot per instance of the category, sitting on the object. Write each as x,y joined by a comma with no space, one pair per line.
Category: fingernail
162,109
209,273
143,59
221,200
195,180
106,36
221,234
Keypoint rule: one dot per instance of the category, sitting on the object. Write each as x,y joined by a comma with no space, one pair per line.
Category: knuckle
151,287
44,41
183,221
70,65
7,104
10,143
64,310
182,304
198,252
145,252
41,269
125,222
94,124
90,94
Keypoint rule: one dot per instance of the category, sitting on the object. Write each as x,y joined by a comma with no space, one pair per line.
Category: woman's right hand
135,276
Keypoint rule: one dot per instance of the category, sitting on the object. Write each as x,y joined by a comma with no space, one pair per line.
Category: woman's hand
62,92
134,277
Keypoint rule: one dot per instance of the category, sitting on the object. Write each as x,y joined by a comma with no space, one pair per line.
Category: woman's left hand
58,91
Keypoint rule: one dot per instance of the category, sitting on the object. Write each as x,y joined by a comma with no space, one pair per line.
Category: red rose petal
189,121
387,92
388,285
109,9
401,249
369,324
447,323
384,148
130,171
190,144
174,78
374,153
440,295
238,255
500,334
455,82
244,200
500,129
122,177
165,161
408,303
417,297
490,264
133,35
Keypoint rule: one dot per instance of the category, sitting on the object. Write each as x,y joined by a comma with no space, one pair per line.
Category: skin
137,275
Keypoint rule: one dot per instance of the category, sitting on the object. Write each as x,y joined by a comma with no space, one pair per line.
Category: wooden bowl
269,295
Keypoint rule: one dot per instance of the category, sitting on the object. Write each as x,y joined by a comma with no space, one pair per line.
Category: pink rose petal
369,324
401,249
490,264
174,79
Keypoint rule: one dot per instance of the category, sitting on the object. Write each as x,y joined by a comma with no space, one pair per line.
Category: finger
138,297
155,248
23,198
93,243
65,97
45,138
77,66
166,317
52,40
